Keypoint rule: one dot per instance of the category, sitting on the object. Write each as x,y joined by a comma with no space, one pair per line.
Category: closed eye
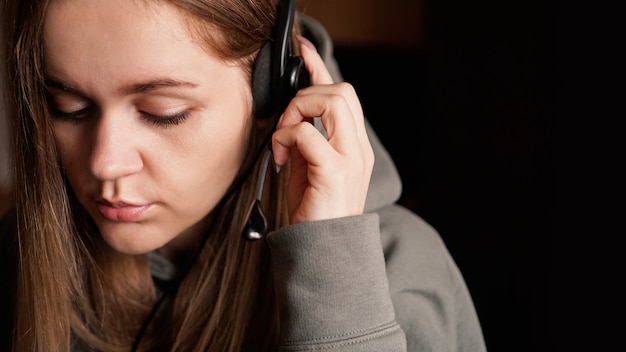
167,120
75,116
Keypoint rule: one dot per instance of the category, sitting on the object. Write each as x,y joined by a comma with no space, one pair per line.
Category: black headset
278,74
276,78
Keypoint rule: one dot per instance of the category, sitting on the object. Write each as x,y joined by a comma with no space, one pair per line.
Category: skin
150,181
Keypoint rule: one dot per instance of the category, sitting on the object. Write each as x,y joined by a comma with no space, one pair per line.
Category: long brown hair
69,285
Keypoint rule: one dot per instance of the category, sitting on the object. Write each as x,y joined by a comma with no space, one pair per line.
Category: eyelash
158,120
73,116
168,120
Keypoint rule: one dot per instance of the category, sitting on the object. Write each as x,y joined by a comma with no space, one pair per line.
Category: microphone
256,226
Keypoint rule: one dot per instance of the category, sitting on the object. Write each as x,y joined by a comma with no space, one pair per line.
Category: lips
121,211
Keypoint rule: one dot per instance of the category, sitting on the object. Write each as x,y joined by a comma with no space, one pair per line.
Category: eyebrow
51,83
137,88
151,85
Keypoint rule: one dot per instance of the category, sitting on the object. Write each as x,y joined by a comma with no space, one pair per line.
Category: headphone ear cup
262,82
295,78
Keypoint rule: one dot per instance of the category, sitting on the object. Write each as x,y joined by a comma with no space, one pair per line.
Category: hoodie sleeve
332,287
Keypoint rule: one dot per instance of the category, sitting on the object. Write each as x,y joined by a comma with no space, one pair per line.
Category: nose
115,148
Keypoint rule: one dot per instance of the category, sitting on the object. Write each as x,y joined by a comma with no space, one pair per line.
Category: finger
320,75
314,63
343,134
309,142
347,92
335,105
320,78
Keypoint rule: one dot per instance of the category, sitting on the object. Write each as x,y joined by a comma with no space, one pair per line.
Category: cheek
217,145
219,157
203,171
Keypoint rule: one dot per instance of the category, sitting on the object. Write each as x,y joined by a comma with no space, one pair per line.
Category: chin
128,239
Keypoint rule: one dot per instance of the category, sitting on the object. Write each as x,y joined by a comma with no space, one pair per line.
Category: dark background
464,98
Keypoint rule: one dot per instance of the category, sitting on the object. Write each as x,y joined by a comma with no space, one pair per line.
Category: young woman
141,138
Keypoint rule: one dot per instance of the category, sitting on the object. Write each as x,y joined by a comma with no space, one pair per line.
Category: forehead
108,20
104,39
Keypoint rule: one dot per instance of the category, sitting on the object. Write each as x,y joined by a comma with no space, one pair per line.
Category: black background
469,121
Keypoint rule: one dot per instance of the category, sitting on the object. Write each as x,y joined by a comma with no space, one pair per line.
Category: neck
183,249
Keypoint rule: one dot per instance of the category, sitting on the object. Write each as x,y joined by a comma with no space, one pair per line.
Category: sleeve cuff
331,282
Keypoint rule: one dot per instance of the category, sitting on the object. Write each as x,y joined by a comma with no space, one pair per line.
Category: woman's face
150,126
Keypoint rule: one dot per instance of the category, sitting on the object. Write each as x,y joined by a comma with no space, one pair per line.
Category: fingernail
276,167
305,41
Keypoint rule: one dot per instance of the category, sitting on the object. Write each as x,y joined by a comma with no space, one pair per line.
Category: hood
385,185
